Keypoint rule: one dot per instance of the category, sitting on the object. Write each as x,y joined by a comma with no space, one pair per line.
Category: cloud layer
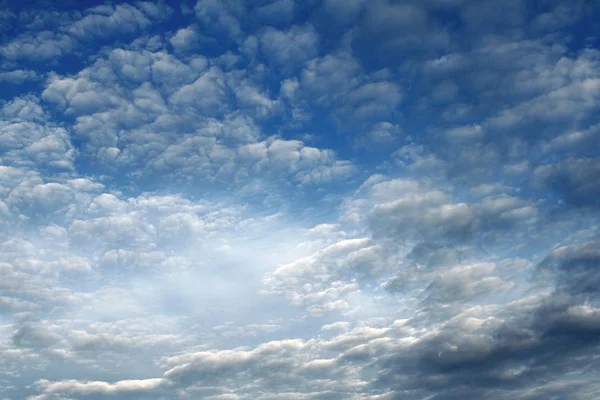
281,199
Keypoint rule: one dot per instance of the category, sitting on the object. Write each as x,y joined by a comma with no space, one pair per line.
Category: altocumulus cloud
285,199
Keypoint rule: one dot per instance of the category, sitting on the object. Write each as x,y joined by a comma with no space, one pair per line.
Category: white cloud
185,39
323,281
207,95
220,17
123,18
42,46
18,76
290,48
56,390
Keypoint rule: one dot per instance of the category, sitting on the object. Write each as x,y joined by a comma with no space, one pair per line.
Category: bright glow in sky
300,199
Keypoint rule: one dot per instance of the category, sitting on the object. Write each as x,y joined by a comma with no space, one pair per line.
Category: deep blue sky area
285,199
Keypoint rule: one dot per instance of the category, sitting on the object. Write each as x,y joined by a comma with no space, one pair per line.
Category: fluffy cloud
291,48
217,143
18,76
109,20
55,390
71,30
41,46
323,281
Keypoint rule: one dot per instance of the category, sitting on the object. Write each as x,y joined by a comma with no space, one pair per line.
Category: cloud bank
281,199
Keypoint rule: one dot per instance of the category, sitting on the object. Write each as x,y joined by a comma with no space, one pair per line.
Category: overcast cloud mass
300,199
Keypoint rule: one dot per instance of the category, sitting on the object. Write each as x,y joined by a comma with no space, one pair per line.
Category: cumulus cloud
28,141
220,18
18,76
323,281
54,390
109,20
217,143
40,46
291,48
71,30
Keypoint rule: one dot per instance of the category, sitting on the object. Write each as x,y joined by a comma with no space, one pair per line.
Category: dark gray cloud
530,342
575,268
575,180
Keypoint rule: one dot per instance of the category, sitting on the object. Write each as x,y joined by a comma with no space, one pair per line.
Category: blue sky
320,199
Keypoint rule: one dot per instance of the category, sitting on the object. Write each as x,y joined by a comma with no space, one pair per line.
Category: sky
300,199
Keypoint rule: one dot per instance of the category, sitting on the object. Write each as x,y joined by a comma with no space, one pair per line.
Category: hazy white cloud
18,76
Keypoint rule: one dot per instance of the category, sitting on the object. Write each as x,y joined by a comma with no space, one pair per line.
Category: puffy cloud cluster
179,121
70,31
29,141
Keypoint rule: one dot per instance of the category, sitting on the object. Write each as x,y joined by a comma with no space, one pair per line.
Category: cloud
373,100
465,282
288,361
284,199
18,76
185,39
109,20
290,48
384,133
31,143
330,77
220,18
562,14
55,390
72,29
325,280
574,267
337,83
279,12
424,216
343,11
573,179
207,94
224,143
397,28
42,46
